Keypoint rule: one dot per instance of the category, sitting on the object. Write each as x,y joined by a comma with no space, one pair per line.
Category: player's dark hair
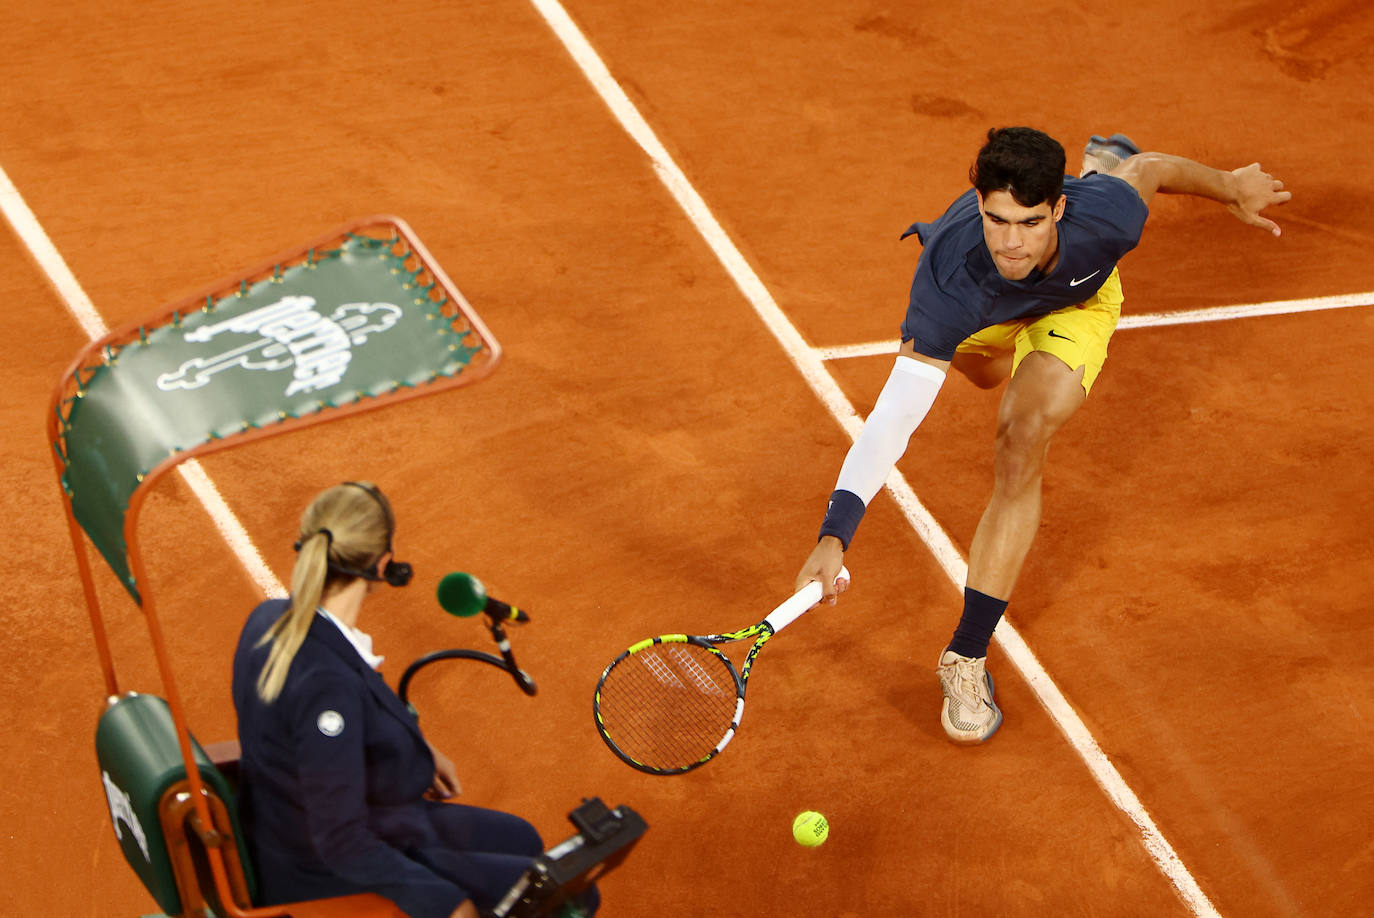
1022,161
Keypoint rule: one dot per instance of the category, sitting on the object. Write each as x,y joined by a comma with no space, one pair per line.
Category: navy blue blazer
333,777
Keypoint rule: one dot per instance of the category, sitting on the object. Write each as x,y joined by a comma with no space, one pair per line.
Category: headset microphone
396,573
464,595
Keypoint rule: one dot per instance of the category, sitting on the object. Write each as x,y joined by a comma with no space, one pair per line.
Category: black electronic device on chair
603,839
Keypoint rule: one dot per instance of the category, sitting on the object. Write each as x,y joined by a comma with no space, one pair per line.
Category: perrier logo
290,333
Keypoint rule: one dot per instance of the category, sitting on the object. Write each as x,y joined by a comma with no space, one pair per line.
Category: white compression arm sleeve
900,409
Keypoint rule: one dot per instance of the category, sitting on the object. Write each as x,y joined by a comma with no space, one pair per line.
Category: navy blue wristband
842,516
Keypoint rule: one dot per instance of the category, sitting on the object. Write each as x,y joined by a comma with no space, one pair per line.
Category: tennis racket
672,703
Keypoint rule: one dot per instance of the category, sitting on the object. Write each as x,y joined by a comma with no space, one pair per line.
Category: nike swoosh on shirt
1075,283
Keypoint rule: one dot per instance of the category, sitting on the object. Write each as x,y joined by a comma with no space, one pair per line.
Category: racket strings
670,705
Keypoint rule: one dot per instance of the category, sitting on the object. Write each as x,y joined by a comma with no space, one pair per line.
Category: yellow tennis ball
810,829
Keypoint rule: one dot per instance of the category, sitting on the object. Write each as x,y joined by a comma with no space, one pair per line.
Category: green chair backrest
139,758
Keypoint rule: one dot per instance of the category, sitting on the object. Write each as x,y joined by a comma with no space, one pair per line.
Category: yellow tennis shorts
1077,335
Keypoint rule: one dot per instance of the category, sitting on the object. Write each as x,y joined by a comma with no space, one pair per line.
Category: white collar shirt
361,642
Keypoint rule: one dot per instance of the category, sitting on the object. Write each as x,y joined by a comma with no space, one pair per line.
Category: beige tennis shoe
969,715
1103,154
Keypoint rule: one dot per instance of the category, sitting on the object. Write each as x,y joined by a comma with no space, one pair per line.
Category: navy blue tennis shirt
958,292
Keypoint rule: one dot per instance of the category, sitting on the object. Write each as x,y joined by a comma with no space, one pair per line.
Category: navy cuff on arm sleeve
842,516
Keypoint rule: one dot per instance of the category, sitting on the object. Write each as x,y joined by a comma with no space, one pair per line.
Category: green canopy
361,318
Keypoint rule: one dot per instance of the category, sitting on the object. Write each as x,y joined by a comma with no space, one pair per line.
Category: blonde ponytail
346,525
288,632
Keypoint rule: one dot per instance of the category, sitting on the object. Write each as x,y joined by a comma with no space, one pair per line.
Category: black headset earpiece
396,573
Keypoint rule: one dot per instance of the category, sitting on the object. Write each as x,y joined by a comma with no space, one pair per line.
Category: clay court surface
648,458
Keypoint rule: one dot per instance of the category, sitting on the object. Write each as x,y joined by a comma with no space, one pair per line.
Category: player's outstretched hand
1256,190
823,566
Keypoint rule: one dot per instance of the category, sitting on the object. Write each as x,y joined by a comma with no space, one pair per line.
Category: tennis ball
810,829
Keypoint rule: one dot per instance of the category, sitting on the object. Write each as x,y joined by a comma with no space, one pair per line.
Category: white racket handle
802,601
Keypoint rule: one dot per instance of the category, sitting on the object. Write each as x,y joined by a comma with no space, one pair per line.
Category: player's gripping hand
823,566
1255,190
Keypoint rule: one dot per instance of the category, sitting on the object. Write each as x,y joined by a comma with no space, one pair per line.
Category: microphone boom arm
506,662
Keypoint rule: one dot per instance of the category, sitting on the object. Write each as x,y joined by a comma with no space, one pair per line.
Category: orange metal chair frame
198,806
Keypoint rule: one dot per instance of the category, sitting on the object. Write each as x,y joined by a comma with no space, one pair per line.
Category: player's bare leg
983,372
1042,395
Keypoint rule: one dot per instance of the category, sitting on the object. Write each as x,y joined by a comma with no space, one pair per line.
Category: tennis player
1018,279
341,792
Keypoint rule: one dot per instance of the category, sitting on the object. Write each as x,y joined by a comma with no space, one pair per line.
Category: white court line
804,357
31,233
1248,311
1151,320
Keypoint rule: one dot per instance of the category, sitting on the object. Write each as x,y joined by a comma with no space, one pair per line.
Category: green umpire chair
146,788
359,318
157,826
